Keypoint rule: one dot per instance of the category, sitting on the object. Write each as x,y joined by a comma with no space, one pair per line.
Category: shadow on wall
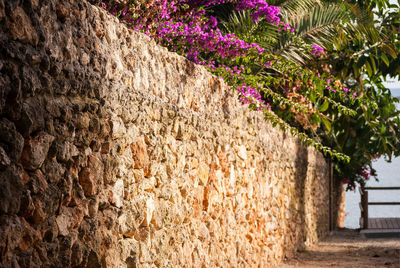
296,213
309,188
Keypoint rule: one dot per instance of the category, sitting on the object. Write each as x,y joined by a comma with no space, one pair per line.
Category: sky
392,84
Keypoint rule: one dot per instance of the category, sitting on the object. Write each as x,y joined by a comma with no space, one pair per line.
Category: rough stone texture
117,153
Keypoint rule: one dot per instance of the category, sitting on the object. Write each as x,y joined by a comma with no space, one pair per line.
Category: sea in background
388,175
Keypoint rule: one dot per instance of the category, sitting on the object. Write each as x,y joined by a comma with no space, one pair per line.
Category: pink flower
317,50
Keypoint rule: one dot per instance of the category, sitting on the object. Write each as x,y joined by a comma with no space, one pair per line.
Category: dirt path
346,248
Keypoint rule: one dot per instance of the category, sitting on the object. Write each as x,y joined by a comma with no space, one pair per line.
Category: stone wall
117,153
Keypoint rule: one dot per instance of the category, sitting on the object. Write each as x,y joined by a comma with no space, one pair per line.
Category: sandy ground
346,248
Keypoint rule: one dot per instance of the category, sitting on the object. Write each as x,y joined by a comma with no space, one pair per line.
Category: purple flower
260,9
317,50
212,22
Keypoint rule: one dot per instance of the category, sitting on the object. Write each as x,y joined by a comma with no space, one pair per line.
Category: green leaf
369,69
385,59
373,64
324,106
327,124
383,129
312,96
389,49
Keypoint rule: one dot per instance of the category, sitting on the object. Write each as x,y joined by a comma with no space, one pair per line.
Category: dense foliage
314,68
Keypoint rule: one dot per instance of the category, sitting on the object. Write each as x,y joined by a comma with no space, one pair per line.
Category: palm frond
361,31
291,9
242,25
318,26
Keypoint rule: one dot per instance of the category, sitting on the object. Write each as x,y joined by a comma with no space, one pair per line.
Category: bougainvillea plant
185,27
307,102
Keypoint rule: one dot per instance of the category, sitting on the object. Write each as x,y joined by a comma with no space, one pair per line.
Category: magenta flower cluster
260,9
317,50
366,172
250,95
184,27
201,39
